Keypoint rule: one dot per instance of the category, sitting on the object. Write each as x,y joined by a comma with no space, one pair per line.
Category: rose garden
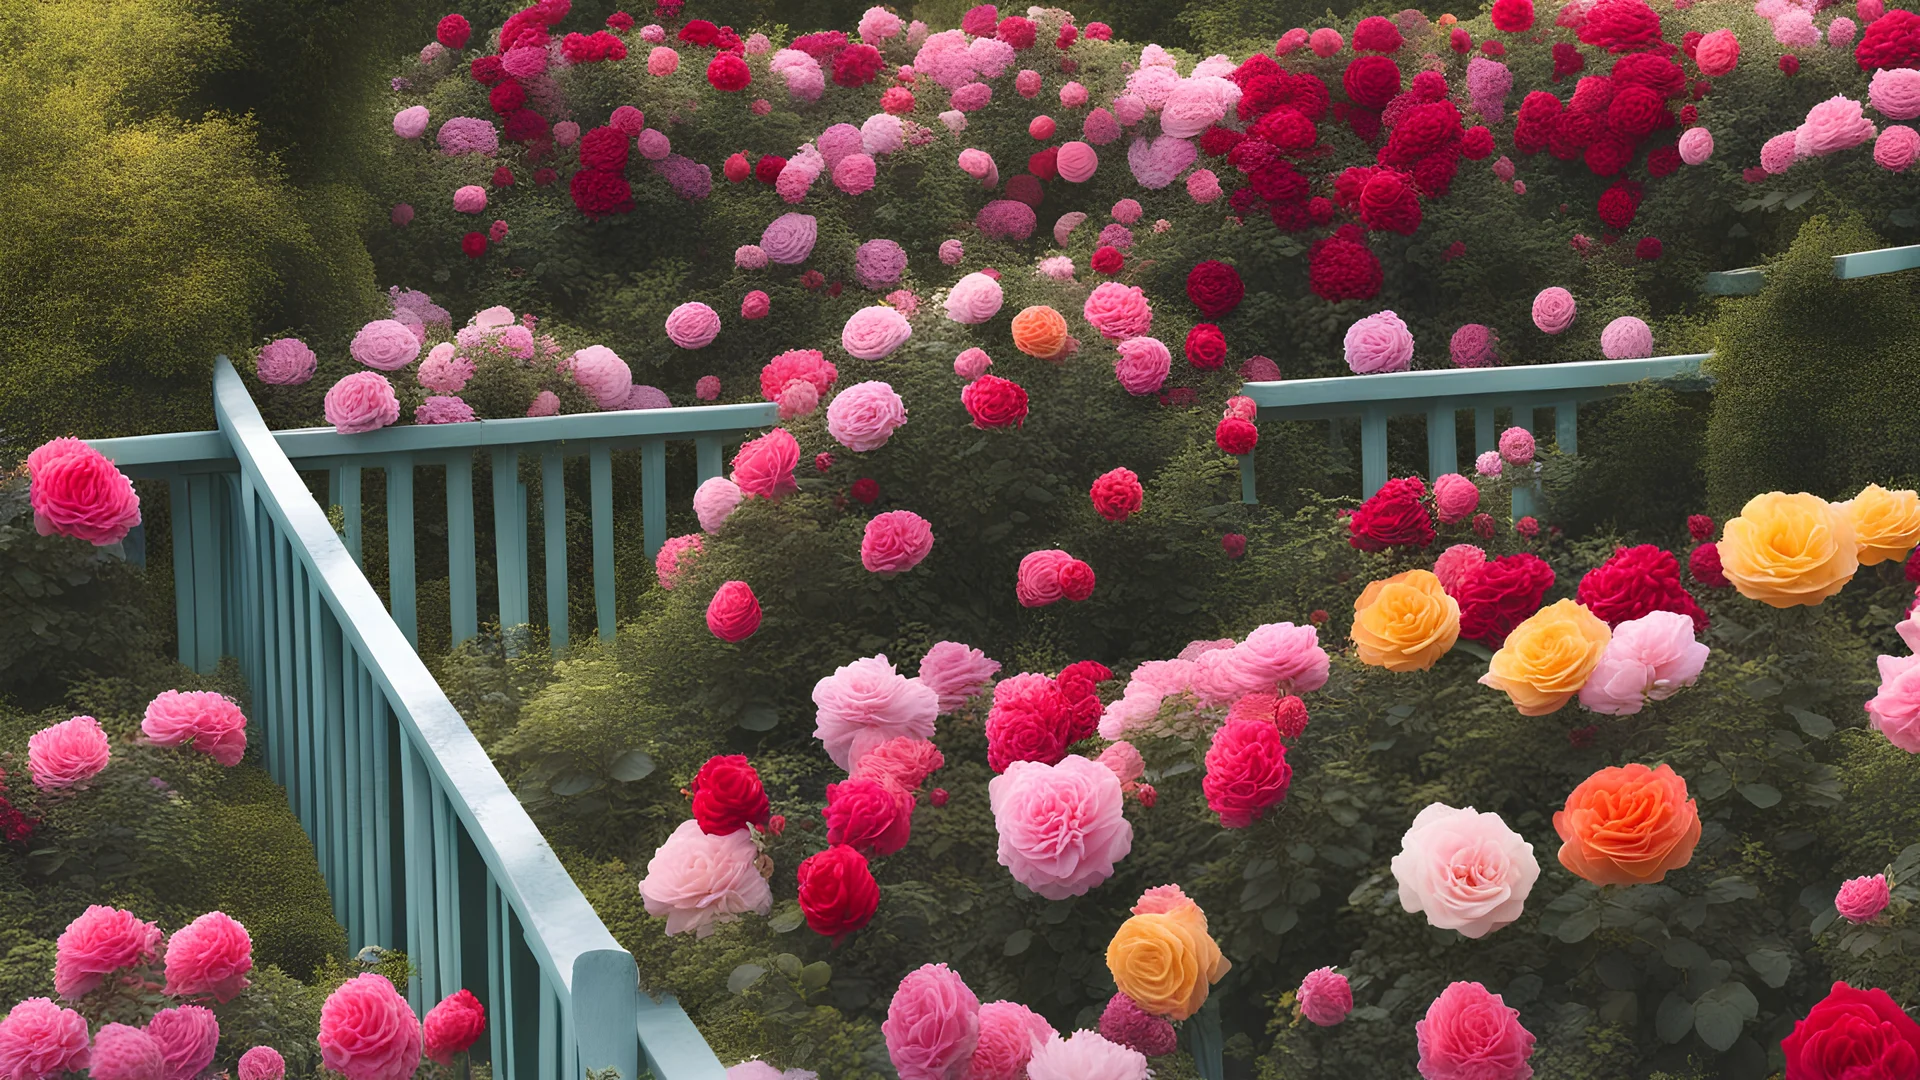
781,542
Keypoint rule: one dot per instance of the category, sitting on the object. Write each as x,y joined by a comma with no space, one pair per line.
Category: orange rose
1041,332
1886,524
1546,660
1405,622
1628,826
1166,961
1789,550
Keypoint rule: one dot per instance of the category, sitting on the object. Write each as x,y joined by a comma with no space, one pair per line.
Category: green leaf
1761,795
1761,688
1815,725
1728,889
759,716
1018,941
816,975
1618,971
1578,926
1684,954
743,977
1798,199
1772,965
1714,782
1279,920
631,766
1717,1020
570,784
1474,649
1674,1020
787,921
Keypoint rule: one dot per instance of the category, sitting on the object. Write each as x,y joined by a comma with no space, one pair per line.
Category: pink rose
932,1025
1100,127
453,1026
68,753
1650,658
1156,162
285,362
1143,364
603,375
1379,342
545,403
1834,125
789,239
1895,710
693,325
126,1053
866,703
978,164
1896,147
882,134
1203,186
1038,580
368,1032
211,721
1895,92
1470,1034
1626,338
1118,311
863,416
1285,657
1516,446
1553,310
386,345
714,502
1129,110
956,673
1009,1032
1467,871
755,305
411,122
1086,1055
951,252
873,333
855,174
1125,762
1196,104
1077,162
468,199
971,364
1073,95
674,558
698,881
1457,564
749,257
101,941
1717,53
210,955
1778,154
764,466
262,1063
974,299
1455,498
662,61
1862,899
188,1036
1696,146
75,491
1325,997
1061,826
895,542
42,1041
653,144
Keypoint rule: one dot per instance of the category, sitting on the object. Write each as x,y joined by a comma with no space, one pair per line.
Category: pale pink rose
1896,147
974,299
1156,162
1196,649
1895,93
1286,658
1895,710
1377,343
714,501
1794,28
1086,1055
698,881
882,134
1009,1032
971,364
1696,145
524,62
469,199
262,1063
210,955
99,942
1626,338
1862,899
798,398
211,721
1055,268
873,333
1488,463
385,344
1222,675
674,557
285,362
545,403
603,375
1061,826
653,144
1834,125
1129,110
121,1052
956,122
977,163
662,61
867,702
1196,104
1325,997
956,673
1717,53
1455,498
877,24
368,1032
66,754
1470,1034
443,372
1124,760
764,466
188,1036
932,1025
1840,32
1648,659
693,325
863,416
1553,310
411,122
1143,365
1118,311
42,1041
1466,870
895,542
1457,565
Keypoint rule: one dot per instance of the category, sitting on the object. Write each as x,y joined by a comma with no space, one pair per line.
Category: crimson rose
837,892
870,817
1853,1035
1206,347
1214,287
1500,595
727,795
994,402
1635,581
1394,517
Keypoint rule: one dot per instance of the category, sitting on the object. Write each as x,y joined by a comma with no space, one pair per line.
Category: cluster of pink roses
936,1028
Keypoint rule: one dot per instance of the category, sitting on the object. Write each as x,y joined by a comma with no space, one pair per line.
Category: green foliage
1638,471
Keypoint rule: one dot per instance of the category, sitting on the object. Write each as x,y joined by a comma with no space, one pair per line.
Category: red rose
1044,164
454,1025
1913,565
1476,143
1217,140
1663,161
1619,204
1891,41
474,244
1853,1035
1068,34
1483,526
1424,129
619,21
1704,564
1106,260
767,169
994,402
1494,48
1635,581
1572,133
727,795
734,612
1655,72
1017,31
1214,287
1079,685
822,45
1620,25
453,31
1606,156
1634,111
868,816
736,169
1790,64
525,126
1234,544
1236,436
502,176
1690,42
506,96
1378,34
1567,60
728,73
837,892
1342,267
1247,772
865,490
1390,203
1076,580
1206,347
1030,720
1459,40
1500,595
1649,248
699,32
1276,181
856,66
487,70
980,21
1433,174
1539,106
604,148
598,193
543,177
1365,123
1689,115
1116,494
1512,16
1700,526
1371,81
1393,517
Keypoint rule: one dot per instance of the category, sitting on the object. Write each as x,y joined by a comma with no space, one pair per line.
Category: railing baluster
391,893
354,745
400,545
707,458
1373,450
207,574
417,820
345,482
497,1000
1247,494
549,1032
267,697
509,539
553,506
1566,426
600,463
307,746
463,591
180,504
329,677
1443,456
1484,437
446,896
653,494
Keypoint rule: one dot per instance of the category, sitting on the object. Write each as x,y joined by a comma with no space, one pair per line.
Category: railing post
1443,456
653,494
606,996
1247,494
1373,451
510,541
1566,425
1484,437
553,506
707,459
400,546
463,601
600,466
344,491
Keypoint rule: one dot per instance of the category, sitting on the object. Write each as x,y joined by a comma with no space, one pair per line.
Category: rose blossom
1061,827
764,466
698,880
453,1026
75,491
1895,93
1862,899
211,721
1696,146
1325,997
42,1041
971,364
895,542
1118,311
873,333
1895,709
1834,125
734,612
863,416
789,238
956,673
1553,310
68,753
974,299
714,501
693,325
866,703
121,1052
674,558
285,362
262,1063
97,943
1086,1055
368,1032
210,955
1009,1032
188,1037
1284,657
603,375
362,401
1143,365
1455,498
1648,659
932,1025
1378,343
1470,1034
1466,870
385,344
872,816
1626,338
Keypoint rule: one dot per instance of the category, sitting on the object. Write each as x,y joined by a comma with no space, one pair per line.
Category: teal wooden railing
1440,395
1859,264
424,847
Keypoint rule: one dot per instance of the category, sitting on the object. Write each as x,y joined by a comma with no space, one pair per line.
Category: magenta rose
932,1025
1471,1034
262,1063
1455,498
126,1053
285,362
210,721
1118,311
764,466
895,542
1143,365
368,1032
68,753
363,401
75,491
101,941
210,955
188,1036
42,1041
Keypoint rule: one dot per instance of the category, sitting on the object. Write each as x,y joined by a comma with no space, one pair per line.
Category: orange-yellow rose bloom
1789,550
1165,961
1628,826
1886,524
1405,622
1040,331
1547,659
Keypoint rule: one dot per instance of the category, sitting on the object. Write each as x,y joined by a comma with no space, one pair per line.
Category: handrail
1859,264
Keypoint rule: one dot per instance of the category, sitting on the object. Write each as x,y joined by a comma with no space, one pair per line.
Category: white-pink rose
698,880
1895,710
867,702
1650,658
862,417
1061,826
974,299
873,333
956,672
1465,870
714,502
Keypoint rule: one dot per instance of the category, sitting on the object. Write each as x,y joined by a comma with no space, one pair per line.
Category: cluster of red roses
1034,718
1284,109
868,815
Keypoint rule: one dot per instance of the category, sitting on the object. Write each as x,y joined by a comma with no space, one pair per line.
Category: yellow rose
1886,524
1546,660
1789,550
1165,961
1405,622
